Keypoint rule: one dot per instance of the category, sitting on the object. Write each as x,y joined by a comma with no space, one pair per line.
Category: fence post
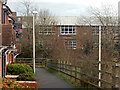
61,66
58,65
71,69
115,72
50,64
75,73
66,70
45,62
64,67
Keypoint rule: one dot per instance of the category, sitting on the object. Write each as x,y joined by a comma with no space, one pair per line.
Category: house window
18,19
18,25
67,29
74,44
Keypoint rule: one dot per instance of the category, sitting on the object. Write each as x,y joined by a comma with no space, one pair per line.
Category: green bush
26,77
16,69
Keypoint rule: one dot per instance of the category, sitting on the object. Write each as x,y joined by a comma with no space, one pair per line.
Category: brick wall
0,34
0,70
0,65
6,18
14,14
8,58
6,35
18,47
0,13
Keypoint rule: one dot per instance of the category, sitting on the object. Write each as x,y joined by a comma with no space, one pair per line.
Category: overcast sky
66,7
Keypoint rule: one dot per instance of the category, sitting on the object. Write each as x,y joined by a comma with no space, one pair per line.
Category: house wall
0,43
80,32
0,70
7,38
18,46
0,65
14,14
6,18
0,13
6,35
9,58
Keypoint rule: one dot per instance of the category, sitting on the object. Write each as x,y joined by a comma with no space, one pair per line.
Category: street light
99,56
34,13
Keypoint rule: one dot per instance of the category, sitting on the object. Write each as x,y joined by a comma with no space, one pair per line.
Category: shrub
10,84
16,69
26,77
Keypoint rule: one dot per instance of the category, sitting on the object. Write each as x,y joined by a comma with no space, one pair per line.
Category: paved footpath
48,80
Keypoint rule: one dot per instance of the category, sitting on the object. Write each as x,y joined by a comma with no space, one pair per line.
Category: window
18,19
67,29
18,25
47,30
71,44
95,30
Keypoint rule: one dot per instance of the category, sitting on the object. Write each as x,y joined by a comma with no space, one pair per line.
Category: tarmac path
46,79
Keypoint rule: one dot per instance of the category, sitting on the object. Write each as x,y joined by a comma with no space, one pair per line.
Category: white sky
84,2
68,7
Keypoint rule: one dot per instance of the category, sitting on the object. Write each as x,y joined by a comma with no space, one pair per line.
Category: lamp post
99,56
34,13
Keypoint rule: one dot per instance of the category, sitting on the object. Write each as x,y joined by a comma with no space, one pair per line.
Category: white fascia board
9,52
67,24
9,19
14,50
2,48
16,55
6,52
4,7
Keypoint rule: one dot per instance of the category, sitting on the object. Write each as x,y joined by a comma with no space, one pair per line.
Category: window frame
68,29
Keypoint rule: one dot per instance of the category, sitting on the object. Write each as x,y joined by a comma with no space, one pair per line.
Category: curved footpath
48,80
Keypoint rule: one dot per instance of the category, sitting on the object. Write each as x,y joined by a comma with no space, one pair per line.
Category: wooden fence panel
39,62
87,71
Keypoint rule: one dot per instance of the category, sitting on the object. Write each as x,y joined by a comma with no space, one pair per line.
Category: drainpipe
2,12
10,56
6,59
6,56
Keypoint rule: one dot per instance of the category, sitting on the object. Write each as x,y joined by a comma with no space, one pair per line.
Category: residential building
9,48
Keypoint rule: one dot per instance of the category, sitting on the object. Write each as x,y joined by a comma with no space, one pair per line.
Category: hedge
26,77
16,69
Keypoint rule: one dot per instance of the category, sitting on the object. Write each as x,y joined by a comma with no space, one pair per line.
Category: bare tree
45,17
45,32
105,16
27,6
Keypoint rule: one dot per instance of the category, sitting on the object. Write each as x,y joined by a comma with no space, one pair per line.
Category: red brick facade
8,45
0,65
6,35
0,13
